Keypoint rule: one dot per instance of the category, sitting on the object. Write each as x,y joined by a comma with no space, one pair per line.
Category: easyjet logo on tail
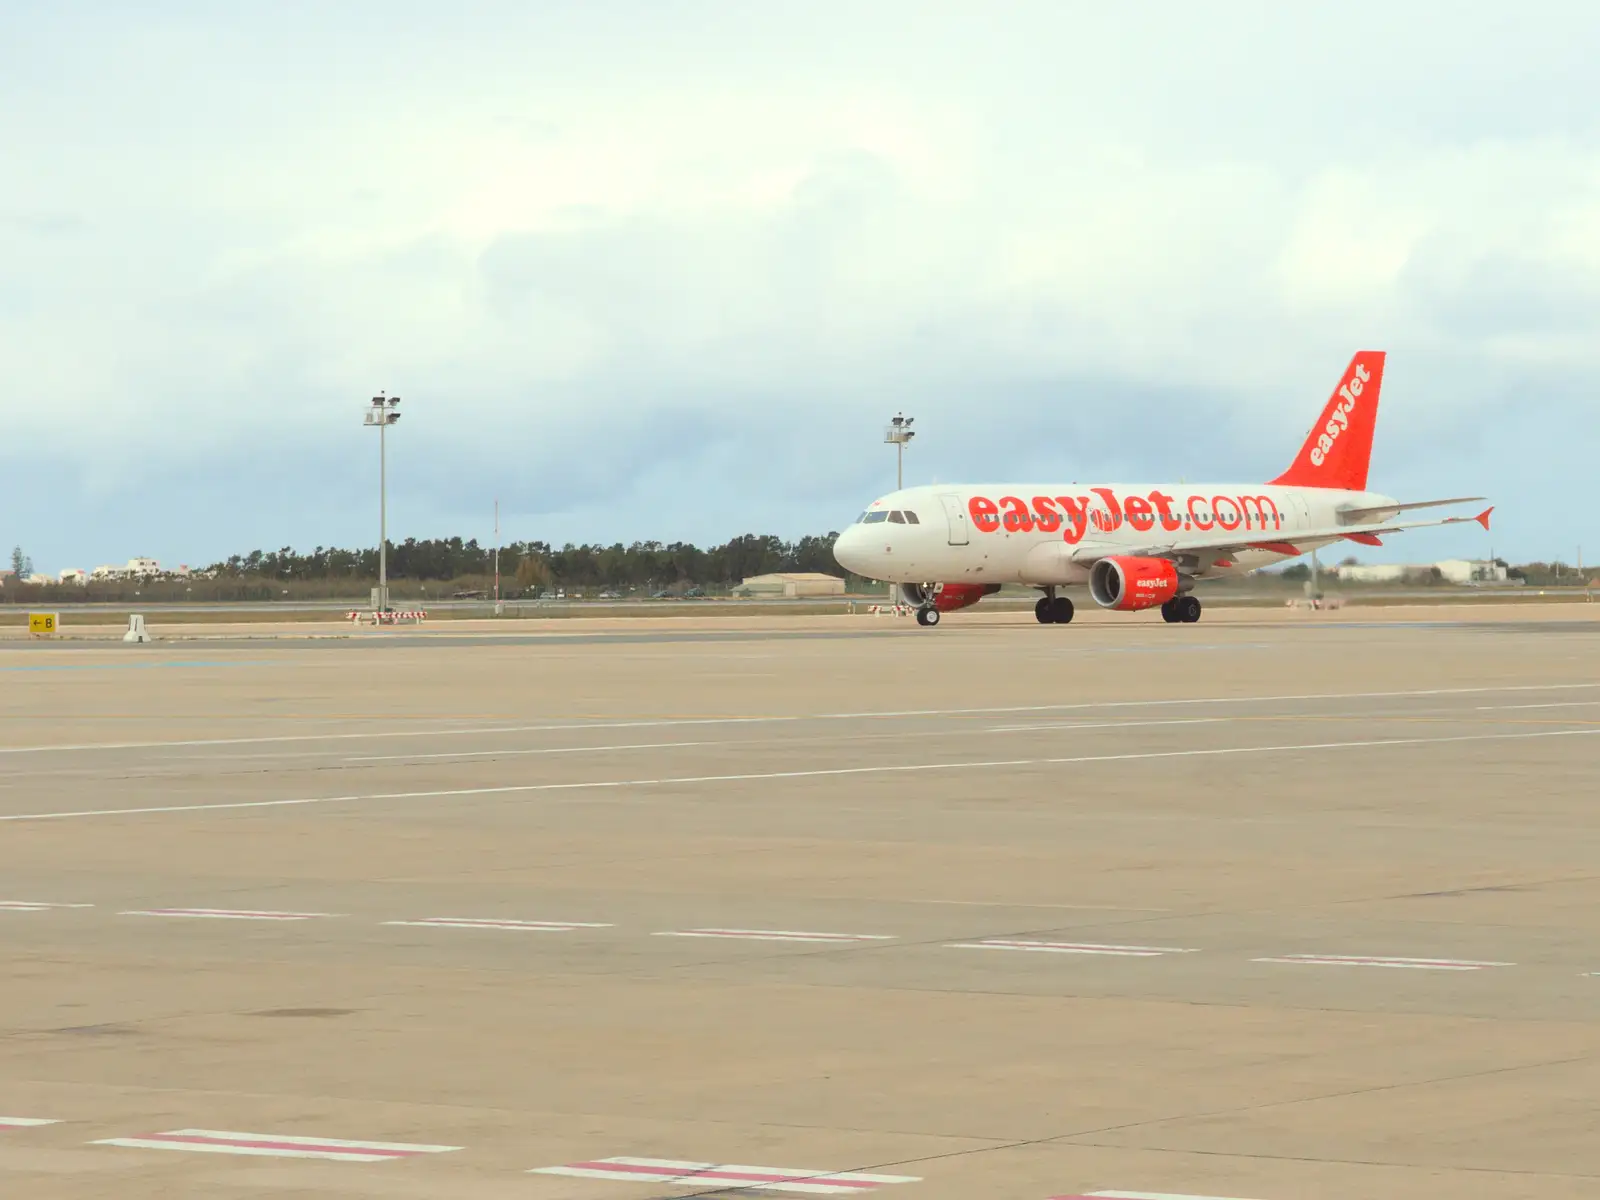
1339,417
1107,511
1338,450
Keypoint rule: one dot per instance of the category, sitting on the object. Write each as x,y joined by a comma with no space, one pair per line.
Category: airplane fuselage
1029,533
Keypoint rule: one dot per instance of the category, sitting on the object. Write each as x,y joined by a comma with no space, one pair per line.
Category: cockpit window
874,518
911,518
897,518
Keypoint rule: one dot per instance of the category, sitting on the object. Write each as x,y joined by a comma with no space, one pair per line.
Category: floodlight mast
383,413
899,433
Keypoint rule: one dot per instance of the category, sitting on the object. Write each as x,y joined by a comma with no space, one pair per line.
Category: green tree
21,564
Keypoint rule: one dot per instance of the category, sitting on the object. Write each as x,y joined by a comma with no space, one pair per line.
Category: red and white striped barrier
895,610
386,618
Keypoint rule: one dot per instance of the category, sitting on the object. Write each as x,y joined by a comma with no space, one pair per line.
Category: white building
75,575
105,572
142,566
1462,570
1452,570
1374,572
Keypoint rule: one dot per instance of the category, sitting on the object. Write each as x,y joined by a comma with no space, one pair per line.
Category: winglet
1483,517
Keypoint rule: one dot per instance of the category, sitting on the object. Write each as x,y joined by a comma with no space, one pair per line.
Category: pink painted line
500,923
221,914
717,1175
736,1175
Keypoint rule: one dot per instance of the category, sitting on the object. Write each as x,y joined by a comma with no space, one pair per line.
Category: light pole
383,413
899,433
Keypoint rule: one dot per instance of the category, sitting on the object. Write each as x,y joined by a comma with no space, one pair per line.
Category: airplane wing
1232,541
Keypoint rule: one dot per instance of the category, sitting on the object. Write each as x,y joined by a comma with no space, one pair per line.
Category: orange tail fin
1339,446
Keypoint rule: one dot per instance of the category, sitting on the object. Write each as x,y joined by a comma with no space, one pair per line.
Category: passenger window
875,518
897,518
911,518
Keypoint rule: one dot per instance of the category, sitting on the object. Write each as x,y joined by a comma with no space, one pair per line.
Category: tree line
535,564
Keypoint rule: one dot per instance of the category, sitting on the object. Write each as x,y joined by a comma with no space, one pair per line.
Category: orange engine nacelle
946,597
1129,584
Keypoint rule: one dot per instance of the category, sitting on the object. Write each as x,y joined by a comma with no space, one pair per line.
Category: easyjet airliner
1137,546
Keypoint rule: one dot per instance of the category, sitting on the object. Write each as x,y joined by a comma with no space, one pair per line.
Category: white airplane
1137,546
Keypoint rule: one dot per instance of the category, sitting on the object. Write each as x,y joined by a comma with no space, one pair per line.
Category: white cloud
708,222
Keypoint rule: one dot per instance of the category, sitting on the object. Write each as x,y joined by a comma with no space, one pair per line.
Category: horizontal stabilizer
1358,516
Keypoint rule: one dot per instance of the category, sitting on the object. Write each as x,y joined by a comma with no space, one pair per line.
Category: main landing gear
1053,610
927,616
1181,610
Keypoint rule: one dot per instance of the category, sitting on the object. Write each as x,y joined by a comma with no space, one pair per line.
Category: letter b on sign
42,623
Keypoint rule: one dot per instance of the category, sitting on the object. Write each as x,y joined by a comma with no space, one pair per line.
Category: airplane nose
849,550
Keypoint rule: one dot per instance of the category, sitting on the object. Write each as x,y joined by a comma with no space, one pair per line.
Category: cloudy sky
663,269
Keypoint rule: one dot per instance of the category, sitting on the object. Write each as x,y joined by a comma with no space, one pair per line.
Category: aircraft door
956,515
1301,510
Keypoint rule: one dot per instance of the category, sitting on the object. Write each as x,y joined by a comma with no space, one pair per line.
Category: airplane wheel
1061,611
1191,610
1042,611
1170,613
927,616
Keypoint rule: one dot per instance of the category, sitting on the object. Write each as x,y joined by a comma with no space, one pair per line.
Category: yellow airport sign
43,623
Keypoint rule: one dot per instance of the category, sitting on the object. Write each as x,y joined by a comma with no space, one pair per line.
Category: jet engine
1130,584
946,597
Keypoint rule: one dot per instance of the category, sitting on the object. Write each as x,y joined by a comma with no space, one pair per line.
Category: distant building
75,575
105,572
791,586
40,578
1451,570
1375,572
142,566
1462,570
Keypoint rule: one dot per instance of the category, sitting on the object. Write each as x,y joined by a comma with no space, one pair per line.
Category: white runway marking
545,750
24,1123
818,773
1557,704
776,935
1112,724
221,914
501,923
1027,944
35,906
1368,960
222,1141
1138,1196
726,1176
663,722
